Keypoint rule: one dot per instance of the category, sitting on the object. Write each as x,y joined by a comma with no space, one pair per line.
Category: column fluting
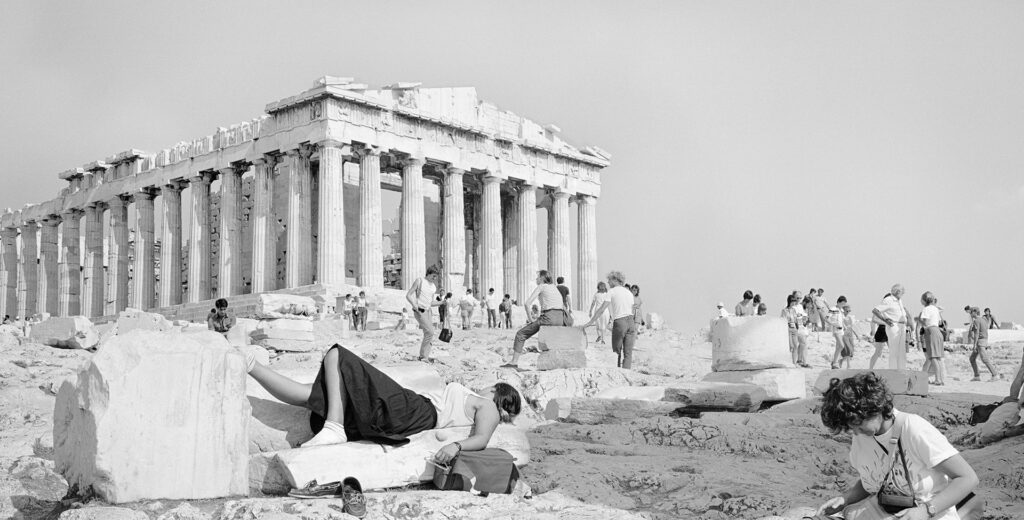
330,252
29,284
586,250
453,236
264,237
199,239
371,234
144,270
170,245
229,257
528,255
561,262
492,270
117,257
48,281
414,248
92,274
9,272
299,247
69,300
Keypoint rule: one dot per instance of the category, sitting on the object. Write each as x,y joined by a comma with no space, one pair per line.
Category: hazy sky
766,144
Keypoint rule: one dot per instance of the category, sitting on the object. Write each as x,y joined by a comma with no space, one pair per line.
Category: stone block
1005,336
156,415
131,319
378,468
287,345
554,359
1001,423
596,410
646,393
277,305
270,326
732,397
749,343
72,332
293,335
900,382
561,338
781,384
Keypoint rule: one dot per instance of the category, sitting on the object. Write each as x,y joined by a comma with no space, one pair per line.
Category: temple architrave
293,199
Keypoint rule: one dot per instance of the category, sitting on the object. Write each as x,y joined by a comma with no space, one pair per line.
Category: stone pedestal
69,299
560,262
780,384
29,283
299,247
414,249
229,257
199,240
264,237
749,343
527,258
453,236
170,245
144,280
371,256
92,273
117,257
48,286
586,251
156,415
492,271
330,252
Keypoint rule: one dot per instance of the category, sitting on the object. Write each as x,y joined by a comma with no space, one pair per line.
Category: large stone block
131,319
781,384
1005,336
555,359
596,410
277,305
378,468
156,415
272,326
72,332
561,338
733,397
900,382
749,343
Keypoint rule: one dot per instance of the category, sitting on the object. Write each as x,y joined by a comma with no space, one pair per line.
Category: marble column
453,236
143,267
414,248
264,237
170,244
48,281
92,274
330,252
371,234
29,269
299,247
586,251
117,257
510,235
9,272
559,239
492,261
528,256
229,258
69,300
199,239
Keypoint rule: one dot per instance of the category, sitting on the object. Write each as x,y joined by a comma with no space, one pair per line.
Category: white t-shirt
621,302
930,316
425,295
924,446
493,301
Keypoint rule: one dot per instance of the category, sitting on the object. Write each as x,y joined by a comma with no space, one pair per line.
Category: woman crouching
907,467
351,400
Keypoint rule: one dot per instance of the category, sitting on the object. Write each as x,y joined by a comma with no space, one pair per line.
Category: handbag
491,470
892,503
445,335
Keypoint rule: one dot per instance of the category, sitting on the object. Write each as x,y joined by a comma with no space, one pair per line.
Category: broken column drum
439,147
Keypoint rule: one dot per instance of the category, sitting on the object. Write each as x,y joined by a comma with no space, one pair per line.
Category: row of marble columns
55,283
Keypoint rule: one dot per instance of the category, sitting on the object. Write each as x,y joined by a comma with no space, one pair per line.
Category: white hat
720,304
833,309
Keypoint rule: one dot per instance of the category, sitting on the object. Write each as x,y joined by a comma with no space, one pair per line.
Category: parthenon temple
293,199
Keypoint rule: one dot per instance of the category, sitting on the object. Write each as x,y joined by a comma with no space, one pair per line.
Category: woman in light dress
602,321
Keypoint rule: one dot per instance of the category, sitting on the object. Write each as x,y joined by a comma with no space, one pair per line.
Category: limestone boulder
151,405
596,410
561,338
11,330
301,330
646,393
733,397
71,332
378,468
131,319
278,305
538,387
781,384
900,382
655,321
749,343
555,359
1001,423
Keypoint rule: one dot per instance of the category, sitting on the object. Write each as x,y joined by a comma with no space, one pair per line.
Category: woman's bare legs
335,390
284,389
877,354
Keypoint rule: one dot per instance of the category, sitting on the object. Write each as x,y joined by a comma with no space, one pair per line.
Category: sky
763,145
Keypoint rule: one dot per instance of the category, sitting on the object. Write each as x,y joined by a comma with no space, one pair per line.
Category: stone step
781,384
900,382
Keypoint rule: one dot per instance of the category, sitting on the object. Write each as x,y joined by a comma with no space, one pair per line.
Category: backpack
490,470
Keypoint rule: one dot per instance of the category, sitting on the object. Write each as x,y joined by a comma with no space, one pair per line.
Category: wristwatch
929,508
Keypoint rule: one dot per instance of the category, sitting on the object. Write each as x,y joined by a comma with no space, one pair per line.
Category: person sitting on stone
552,313
896,454
351,400
219,320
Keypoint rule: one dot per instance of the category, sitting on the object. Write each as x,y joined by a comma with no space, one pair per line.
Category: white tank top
451,406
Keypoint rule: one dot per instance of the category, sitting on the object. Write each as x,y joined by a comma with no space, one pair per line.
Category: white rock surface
276,305
900,382
749,343
1000,423
781,384
103,513
555,359
379,467
288,345
152,405
561,338
655,321
71,332
131,319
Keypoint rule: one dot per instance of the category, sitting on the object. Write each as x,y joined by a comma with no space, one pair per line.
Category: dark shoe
314,490
352,496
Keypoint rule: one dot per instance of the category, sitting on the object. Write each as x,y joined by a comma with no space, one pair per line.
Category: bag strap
906,471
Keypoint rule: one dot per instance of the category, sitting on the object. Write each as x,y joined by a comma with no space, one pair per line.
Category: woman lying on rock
907,467
352,400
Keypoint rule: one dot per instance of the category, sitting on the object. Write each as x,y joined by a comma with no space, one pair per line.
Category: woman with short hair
906,466
600,297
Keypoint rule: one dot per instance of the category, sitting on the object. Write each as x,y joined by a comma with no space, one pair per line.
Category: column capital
366,150
50,220
118,200
263,159
333,143
71,213
147,193
487,178
9,232
175,185
585,199
201,177
560,194
306,151
453,170
412,160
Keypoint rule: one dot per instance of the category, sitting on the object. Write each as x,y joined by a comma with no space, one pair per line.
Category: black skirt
880,335
376,407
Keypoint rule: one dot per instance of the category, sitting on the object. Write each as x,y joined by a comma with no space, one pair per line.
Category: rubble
74,332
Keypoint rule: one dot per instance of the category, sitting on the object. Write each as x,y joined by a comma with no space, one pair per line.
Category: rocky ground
717,467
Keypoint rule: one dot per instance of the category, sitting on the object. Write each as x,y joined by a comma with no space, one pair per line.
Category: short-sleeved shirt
930,316
924,446
468,302
493,301
980,331
549,297
361,302
565,294
744,309
621,302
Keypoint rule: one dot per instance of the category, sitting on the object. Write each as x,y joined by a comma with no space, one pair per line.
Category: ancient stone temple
293,198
